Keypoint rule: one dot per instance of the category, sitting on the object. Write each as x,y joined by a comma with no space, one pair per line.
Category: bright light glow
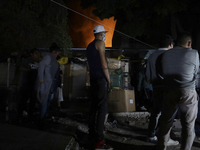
81,28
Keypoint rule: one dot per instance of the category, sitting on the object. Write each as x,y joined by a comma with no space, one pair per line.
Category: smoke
81,28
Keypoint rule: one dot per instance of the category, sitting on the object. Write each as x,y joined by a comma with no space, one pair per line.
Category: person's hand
109,86
41,81
36,63
14,53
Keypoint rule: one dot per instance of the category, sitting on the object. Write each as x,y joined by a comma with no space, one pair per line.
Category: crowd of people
38,82
170,75
172,71
167,80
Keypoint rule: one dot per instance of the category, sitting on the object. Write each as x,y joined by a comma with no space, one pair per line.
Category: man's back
181,66
151,73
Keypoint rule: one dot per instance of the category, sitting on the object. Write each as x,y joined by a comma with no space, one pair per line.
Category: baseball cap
98,29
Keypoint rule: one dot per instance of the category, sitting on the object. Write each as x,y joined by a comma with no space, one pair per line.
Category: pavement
20,138
66,129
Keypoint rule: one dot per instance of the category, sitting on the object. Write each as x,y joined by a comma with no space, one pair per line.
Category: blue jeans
184,100
45,106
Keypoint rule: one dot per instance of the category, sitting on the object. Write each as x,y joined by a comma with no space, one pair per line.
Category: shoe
102,146
143,108
25,113
152,139
172,142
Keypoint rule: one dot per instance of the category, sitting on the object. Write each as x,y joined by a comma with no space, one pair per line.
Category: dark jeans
158,96
27,91
144,98
98,109
25,94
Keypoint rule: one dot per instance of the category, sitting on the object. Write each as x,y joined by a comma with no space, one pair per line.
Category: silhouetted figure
152,76
28,74
48,71
100,82
179,69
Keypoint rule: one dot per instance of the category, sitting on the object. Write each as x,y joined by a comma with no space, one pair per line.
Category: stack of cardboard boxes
122,96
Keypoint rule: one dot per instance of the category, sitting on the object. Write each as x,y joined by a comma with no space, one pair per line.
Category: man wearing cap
100,83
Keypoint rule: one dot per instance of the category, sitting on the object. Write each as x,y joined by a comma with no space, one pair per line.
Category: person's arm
140,78
158,66
197,63
21,68
100,46
24,66
148,72
43,63
61,78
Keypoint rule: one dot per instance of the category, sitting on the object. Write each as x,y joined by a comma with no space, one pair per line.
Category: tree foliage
26,24
145,19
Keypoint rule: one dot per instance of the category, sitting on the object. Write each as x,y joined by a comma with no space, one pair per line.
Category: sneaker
143,108
152,139
172,142
24,113
102,146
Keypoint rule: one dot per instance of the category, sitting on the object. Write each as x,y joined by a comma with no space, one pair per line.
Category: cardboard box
120,100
